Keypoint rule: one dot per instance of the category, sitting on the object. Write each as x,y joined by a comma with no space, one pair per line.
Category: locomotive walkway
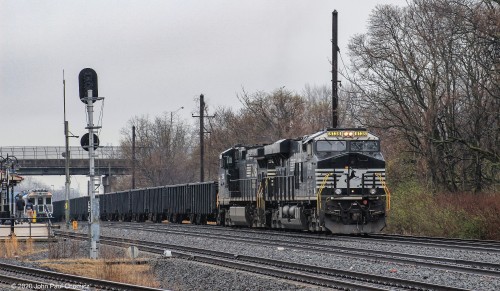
50,160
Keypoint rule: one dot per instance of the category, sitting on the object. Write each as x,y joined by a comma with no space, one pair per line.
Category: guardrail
57,152
24,227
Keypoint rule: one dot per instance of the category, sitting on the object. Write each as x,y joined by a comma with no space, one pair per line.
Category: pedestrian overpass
50,160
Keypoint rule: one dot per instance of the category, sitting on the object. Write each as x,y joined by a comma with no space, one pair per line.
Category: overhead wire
99,120
347,77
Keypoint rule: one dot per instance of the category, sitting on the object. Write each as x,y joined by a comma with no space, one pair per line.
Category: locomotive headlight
338,191
373,191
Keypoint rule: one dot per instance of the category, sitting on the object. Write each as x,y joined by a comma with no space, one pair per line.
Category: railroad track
320,276
457,244
12,280
30,278
464,244
456,265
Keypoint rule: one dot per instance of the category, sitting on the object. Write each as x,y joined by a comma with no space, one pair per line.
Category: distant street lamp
172,114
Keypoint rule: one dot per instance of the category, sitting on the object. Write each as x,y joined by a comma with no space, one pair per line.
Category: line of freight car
196,202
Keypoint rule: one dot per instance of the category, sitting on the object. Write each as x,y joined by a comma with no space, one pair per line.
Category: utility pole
202,133
335,49
67,183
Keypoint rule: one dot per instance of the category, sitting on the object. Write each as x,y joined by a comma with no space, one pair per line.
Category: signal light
85,142
365,202
87,80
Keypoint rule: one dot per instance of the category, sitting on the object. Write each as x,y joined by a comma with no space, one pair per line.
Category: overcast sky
156,56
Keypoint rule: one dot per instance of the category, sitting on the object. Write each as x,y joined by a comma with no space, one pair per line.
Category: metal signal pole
94,203
88,87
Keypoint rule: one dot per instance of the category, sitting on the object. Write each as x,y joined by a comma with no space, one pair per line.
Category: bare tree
163,149
318,114
276,115
428,73
264,118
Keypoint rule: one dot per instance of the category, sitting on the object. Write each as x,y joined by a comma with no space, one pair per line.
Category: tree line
424,77
427,75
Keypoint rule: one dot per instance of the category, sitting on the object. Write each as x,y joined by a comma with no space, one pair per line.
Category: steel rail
72,279
471,245
475,245
488,269
202,254
24,283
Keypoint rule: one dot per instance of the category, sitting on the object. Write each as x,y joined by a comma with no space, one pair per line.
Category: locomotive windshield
327,148
330,146
364,146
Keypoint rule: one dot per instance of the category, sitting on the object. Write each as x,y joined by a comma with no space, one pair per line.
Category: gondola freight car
196,202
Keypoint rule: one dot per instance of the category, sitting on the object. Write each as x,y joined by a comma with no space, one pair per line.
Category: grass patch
65,256
417,211
69,256
12,247
125,272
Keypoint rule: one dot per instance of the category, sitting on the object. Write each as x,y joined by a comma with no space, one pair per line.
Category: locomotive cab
350,174
41,200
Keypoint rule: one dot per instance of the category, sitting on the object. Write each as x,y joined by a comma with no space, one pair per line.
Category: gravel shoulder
181,274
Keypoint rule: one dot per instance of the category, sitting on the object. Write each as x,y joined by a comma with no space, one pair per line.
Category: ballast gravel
181,274
404,271
172,273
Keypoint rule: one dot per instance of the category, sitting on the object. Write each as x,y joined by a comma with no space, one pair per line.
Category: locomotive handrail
387,192
260,191
321,187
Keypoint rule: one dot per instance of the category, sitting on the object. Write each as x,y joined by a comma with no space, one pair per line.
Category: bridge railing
57,152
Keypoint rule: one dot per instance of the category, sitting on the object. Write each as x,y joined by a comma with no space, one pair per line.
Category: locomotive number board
349,133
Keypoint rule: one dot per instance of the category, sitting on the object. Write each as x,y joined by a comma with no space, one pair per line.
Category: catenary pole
202,117
133,157
202,147
335,49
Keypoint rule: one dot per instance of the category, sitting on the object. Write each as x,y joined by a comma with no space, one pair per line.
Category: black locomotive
333,180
